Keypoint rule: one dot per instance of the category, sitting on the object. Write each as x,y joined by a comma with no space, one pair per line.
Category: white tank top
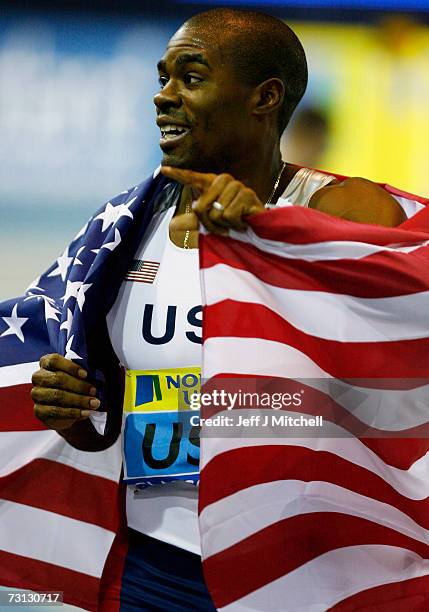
156,323
302,186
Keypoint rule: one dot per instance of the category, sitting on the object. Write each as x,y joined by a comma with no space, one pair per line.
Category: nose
167,97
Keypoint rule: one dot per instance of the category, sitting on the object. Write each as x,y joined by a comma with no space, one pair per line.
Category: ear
268,96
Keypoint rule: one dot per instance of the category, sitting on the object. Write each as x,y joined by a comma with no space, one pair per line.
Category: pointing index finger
199,180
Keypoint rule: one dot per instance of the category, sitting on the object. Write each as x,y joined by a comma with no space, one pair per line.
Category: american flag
59,508
333,521
142,271
261,500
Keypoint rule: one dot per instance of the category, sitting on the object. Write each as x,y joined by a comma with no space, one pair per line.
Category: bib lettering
160,442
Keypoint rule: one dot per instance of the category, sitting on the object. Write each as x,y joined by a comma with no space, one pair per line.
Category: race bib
161,431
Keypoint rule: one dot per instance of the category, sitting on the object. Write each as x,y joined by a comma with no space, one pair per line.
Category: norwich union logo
160,390
148,389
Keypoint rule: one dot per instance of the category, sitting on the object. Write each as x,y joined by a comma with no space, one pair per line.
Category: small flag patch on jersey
142,271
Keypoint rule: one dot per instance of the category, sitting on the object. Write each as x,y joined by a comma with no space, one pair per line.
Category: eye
163,80
192,79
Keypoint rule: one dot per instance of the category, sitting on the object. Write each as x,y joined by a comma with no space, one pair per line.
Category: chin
189,160
175,162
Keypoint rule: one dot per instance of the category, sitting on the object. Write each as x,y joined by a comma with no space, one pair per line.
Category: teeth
172,130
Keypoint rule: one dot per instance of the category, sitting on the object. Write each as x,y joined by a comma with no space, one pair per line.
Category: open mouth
172,133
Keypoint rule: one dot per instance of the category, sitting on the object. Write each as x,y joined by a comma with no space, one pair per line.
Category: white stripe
332,577
140,275
18,374
239,516
338,317
410,207
237,356
389,410
412,483
318,251
20,448
53,538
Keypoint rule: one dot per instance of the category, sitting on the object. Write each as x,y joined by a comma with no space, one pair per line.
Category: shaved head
257,47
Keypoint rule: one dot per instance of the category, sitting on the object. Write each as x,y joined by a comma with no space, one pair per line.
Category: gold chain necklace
188,208
276,184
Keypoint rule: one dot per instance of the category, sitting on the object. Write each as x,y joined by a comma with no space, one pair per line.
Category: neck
259,174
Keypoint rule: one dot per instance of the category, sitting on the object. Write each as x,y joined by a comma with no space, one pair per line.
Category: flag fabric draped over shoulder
336,519
59,508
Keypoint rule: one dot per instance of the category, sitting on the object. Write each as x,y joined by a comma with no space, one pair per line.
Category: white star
108,216
63,264
77,261
81,295
51,312
112,245
69,353
124,210
15,323
72,290
67,324
111,214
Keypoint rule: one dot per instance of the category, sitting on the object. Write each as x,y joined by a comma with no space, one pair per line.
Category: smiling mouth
171,134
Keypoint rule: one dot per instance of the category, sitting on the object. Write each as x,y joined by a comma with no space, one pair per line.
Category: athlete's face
203,110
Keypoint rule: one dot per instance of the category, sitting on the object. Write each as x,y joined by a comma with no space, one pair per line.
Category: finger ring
218,206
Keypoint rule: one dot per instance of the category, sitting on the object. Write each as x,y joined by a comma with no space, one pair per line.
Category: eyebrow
185,58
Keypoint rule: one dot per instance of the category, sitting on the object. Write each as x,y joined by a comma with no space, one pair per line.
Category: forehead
195,40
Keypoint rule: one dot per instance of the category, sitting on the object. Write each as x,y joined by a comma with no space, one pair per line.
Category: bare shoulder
358,199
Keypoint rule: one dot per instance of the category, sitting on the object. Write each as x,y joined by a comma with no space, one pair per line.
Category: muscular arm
360,200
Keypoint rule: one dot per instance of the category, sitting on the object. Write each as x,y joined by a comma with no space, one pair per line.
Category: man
229,82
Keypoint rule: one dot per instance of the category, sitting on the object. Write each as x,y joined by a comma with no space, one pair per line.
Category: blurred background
77,118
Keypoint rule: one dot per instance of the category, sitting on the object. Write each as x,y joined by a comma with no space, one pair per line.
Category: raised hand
221,202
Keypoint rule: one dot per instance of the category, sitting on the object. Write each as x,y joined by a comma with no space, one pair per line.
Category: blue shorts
155,577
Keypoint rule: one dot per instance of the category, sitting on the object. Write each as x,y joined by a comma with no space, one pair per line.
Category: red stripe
24,573
111,579
406,596
142,275
64,490
418,222
394,359
398,449
17,409
383,274
306,226
282,547
297,463
139,280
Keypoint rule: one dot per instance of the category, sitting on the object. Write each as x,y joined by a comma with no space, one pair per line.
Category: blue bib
161,429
